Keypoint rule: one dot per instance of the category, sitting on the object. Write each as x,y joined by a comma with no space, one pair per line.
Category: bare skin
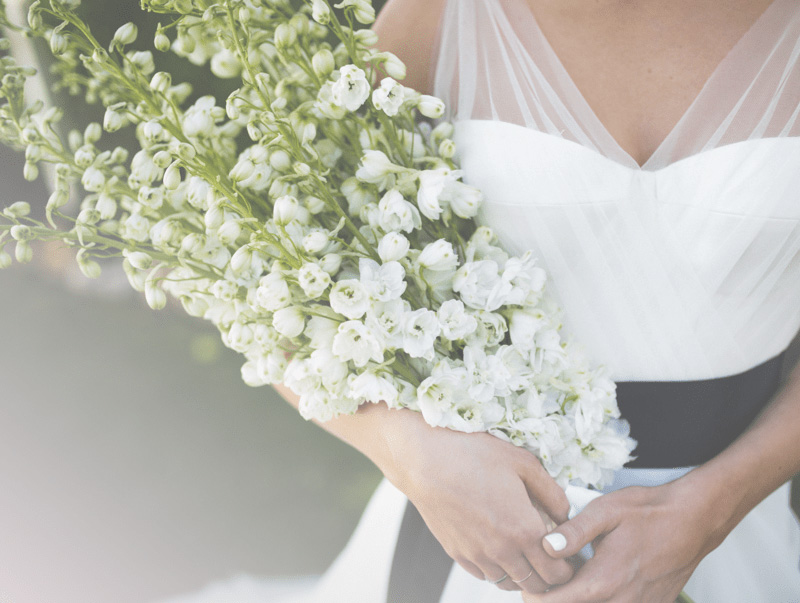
458,479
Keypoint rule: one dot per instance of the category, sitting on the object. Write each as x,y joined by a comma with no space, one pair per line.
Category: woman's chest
640,65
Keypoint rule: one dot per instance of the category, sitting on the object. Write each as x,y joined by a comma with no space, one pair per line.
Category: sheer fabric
685,268
495,63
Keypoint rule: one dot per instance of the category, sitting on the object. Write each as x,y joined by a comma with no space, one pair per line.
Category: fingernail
557,541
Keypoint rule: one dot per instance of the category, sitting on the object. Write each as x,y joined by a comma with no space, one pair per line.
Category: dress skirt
758,561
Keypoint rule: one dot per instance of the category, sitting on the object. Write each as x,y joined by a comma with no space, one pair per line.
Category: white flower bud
393,66
93,180
93,133
106,205
430,106
125,35
280,160
21,232
330,263
194,306
289,322
161,41
112,121
439,256
323,63
320,12
139,259
366,37
172,177
17,210
242,170
58,43
5,259
229,232
90,268
152,131
314,205
161,81
285,36
23,252
393,246
315,241
447,149
285,210
58,199
193,243
154,295
30,172
162,159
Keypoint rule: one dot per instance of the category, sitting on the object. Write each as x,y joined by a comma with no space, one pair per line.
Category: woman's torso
687,267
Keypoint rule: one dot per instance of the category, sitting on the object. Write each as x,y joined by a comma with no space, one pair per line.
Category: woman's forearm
375,430
763,458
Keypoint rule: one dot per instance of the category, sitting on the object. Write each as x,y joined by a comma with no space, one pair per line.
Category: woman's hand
647,543
476,493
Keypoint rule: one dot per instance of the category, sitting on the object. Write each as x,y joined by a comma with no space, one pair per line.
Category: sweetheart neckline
639,169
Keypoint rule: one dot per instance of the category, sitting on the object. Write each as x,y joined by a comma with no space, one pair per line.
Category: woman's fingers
570,537
498,576
544,490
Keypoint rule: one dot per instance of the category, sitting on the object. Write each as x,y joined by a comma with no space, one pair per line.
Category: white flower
358,194
362,10
285,209
320,12
355,342
143,169
200,118
321,331
377,169
272,367
93,180
491,329
351,89
393,246
441,392
329,370
387,319
479,285
315,242
438,256
397,214
524,324
455,321
313,279
372,387
383,282
465,200
389,97
273,292
420,330
431,186
431,106
326,104
239,337
125,35
289,322
349,298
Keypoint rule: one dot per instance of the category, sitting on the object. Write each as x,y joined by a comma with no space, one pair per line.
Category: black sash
677,424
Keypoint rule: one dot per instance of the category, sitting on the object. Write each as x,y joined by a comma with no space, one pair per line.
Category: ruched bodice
691,271
687,267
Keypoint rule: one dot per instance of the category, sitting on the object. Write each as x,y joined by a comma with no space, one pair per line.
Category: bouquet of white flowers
315,217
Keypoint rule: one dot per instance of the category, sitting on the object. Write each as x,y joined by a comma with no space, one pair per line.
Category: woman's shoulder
409,28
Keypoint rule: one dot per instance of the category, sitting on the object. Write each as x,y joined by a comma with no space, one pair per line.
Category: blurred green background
135,464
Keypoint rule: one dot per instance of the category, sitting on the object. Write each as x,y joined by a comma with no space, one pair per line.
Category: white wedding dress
684,268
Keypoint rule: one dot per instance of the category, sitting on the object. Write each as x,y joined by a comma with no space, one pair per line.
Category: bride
648,153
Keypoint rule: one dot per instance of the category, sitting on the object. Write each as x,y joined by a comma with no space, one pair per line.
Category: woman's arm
474,491
654,538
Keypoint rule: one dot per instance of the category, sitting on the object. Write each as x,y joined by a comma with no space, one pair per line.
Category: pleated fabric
687,267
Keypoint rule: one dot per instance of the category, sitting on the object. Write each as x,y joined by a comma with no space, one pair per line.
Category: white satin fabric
687,267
